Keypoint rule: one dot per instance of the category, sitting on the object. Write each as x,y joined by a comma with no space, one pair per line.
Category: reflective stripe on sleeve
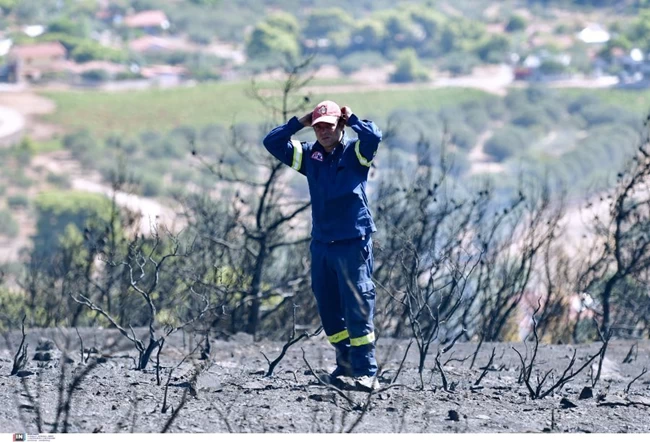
338,337
363,340
361,158
297,154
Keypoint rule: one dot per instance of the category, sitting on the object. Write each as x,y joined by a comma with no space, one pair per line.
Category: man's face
327,134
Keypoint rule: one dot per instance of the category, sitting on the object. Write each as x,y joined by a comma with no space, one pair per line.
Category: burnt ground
231,393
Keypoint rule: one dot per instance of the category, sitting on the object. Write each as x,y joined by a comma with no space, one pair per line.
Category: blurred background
123,116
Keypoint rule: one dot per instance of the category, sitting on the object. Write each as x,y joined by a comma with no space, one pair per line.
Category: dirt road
30,107
152,212
12,125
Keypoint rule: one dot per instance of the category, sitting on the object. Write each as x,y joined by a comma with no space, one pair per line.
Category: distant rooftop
152,43
147,19
39,50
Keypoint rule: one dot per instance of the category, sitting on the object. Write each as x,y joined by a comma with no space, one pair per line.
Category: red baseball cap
326,111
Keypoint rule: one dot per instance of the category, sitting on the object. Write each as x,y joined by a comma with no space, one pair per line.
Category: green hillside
132,112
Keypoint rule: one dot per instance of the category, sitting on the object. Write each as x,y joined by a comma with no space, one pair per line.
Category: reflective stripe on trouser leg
328,300
341,342
338,337
354,273
363,340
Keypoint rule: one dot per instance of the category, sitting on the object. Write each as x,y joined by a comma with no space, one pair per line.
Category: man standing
337,168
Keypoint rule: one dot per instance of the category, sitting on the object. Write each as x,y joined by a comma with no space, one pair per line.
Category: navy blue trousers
341,277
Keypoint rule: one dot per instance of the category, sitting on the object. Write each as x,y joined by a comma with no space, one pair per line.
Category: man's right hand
306,120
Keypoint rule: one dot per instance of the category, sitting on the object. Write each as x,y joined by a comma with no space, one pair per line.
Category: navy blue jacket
337,181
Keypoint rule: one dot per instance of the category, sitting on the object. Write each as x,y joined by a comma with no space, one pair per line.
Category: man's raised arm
279,143
369,136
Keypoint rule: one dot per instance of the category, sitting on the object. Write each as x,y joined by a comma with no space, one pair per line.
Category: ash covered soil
231,394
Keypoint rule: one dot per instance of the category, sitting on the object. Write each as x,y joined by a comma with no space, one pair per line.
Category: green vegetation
226,103
505,143
13,303
88,51
129,113
146,138
59,181
8,225
516,23
634,34
633,101
272,42
533,129
6,6
165,146
408,68
18,201
337,30
349,35
63,215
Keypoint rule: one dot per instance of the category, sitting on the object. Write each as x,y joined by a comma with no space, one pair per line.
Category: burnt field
223,388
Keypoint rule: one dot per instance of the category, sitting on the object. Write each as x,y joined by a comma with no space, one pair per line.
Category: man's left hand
346,113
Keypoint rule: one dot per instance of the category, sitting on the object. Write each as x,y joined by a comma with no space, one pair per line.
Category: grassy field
637,101
132,112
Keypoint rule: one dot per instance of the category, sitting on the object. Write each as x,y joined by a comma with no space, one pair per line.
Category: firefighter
336,166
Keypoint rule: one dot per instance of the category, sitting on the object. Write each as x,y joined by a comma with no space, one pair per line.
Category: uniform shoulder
304,144
308,144
350,144
351,141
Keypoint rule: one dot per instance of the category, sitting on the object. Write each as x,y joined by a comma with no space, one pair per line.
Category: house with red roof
29,62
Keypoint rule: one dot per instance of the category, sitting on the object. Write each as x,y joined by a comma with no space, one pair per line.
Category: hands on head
307,119
346,113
